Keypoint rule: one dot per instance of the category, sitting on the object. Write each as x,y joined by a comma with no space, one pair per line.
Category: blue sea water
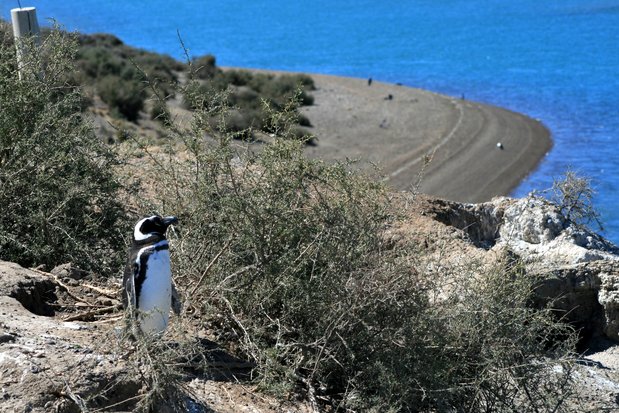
557,61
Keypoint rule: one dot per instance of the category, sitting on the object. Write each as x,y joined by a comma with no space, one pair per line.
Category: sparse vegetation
302,279
205,67
251,97
574,195
291,262
125,97
159,111
118,74
110,69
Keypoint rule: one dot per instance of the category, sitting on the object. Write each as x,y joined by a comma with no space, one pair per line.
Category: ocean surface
557,61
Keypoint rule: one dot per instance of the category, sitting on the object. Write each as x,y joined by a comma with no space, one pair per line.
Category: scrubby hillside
306,286
68,325
120,81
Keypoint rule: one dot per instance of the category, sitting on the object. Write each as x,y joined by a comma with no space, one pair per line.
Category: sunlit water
557,61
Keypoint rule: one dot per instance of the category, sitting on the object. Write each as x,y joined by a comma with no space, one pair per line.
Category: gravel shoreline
442,146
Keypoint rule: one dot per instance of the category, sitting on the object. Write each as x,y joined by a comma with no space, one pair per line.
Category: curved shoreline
355,120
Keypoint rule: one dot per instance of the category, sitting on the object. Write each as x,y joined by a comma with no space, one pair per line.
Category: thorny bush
58,194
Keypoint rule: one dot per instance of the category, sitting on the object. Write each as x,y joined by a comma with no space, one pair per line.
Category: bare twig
88,314
210,265
102,291
63,286
79,402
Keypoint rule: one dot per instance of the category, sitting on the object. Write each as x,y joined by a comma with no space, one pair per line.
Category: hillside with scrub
113,75
306,285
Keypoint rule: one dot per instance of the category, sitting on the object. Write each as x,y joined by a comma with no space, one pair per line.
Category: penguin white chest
156,293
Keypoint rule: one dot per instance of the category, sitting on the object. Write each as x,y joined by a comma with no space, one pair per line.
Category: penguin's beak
167,221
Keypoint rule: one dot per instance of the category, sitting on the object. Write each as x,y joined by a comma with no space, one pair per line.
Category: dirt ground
61,351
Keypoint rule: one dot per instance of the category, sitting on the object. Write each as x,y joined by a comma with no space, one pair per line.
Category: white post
26,32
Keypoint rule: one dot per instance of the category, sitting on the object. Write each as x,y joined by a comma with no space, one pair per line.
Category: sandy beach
441,145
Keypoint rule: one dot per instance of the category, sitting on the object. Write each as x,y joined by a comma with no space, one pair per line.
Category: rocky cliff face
578,269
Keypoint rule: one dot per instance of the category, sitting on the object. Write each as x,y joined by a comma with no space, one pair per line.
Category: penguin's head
152,227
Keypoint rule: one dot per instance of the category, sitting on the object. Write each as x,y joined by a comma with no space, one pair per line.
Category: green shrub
116,71
240,124
260,81
306,81
246,98
157,66
99,39
96,62
238,77
201,96
306,99
285,86
124,97
58,194
217,83
101,56
282,120
251,95
204,67
303,120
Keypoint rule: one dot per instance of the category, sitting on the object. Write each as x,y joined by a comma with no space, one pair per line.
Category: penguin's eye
154,224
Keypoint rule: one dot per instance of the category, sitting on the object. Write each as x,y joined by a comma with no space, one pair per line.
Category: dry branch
85,316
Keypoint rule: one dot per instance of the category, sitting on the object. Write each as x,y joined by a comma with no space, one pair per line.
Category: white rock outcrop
536,230
578,269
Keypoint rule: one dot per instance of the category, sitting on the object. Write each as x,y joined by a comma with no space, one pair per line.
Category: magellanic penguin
147,282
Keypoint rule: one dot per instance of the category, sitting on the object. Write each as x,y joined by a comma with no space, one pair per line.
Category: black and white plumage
147,282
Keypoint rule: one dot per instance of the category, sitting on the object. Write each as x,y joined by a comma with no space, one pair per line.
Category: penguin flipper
177,305
130,292
129,298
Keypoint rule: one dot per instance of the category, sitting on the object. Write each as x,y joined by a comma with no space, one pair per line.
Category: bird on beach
147,283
